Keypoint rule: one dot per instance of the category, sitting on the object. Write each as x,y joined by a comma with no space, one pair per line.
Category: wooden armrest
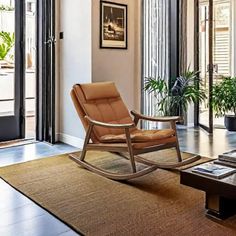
108,125
158,119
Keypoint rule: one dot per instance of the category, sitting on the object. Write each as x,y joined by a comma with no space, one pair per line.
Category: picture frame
113,25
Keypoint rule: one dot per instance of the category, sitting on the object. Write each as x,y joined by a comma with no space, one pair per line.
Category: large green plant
224,96
174,100
159,88
7,41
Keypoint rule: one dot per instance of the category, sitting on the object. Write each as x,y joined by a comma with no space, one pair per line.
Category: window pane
30,60
7,41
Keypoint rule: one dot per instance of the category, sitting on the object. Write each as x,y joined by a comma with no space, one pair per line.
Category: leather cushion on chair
100,90
102,102
142,145
139,136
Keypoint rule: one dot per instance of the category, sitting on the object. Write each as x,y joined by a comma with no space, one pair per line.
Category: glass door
214,58
206,66
11,70
30,68
222,40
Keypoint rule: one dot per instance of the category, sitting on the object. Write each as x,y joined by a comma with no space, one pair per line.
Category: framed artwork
113,25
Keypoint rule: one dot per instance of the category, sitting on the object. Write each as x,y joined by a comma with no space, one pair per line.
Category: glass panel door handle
51,40
213,68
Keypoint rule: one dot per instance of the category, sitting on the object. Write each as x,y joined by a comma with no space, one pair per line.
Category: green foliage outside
7,41
224,96
6,8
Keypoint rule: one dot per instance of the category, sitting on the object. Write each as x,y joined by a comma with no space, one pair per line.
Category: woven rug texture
155,204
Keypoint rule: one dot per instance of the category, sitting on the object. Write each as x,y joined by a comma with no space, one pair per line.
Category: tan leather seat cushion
142,145
139,136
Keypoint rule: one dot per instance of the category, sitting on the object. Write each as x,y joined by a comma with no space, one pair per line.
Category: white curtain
155,49
183,7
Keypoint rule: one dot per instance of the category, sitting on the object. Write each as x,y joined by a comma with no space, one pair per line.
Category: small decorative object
113,25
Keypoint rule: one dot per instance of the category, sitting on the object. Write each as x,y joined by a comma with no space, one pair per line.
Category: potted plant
224,101
174,99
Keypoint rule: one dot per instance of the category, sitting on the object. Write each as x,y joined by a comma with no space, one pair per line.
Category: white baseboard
71,140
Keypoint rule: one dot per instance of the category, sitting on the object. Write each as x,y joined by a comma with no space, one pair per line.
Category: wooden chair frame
127,150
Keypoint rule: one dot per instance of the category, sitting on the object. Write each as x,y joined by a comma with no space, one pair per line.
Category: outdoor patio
7,97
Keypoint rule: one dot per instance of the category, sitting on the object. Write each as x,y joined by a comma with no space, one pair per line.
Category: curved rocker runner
110,127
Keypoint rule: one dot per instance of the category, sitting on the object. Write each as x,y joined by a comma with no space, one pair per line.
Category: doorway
214,57
12,71
17,69
27,73
30,69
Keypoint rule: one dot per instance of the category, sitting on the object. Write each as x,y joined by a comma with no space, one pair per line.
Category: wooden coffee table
220,193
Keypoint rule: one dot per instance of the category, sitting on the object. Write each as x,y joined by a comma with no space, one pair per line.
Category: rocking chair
109,127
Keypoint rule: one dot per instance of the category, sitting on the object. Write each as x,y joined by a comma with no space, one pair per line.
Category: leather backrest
101,102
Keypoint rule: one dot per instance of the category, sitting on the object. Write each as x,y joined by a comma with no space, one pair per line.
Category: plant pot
230,122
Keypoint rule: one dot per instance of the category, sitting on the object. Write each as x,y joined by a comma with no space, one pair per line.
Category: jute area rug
155,204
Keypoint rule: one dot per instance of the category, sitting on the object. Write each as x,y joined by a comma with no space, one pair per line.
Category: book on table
213,170
228,156
225,163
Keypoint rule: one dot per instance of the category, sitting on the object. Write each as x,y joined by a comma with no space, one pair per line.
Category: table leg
220,207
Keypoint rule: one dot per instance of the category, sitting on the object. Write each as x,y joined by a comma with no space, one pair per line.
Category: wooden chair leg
130,149
178,152
173,126
86,141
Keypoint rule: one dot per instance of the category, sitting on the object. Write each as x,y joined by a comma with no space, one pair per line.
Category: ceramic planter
230,122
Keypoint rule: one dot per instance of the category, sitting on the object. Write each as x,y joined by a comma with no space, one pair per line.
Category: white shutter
222,52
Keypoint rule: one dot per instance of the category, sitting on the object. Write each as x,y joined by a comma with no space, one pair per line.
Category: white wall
82,61
75,63
120,66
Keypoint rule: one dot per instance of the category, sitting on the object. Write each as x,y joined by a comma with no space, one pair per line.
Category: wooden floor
21,217
199,142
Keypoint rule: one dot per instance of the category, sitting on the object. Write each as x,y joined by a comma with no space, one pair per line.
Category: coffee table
220,193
